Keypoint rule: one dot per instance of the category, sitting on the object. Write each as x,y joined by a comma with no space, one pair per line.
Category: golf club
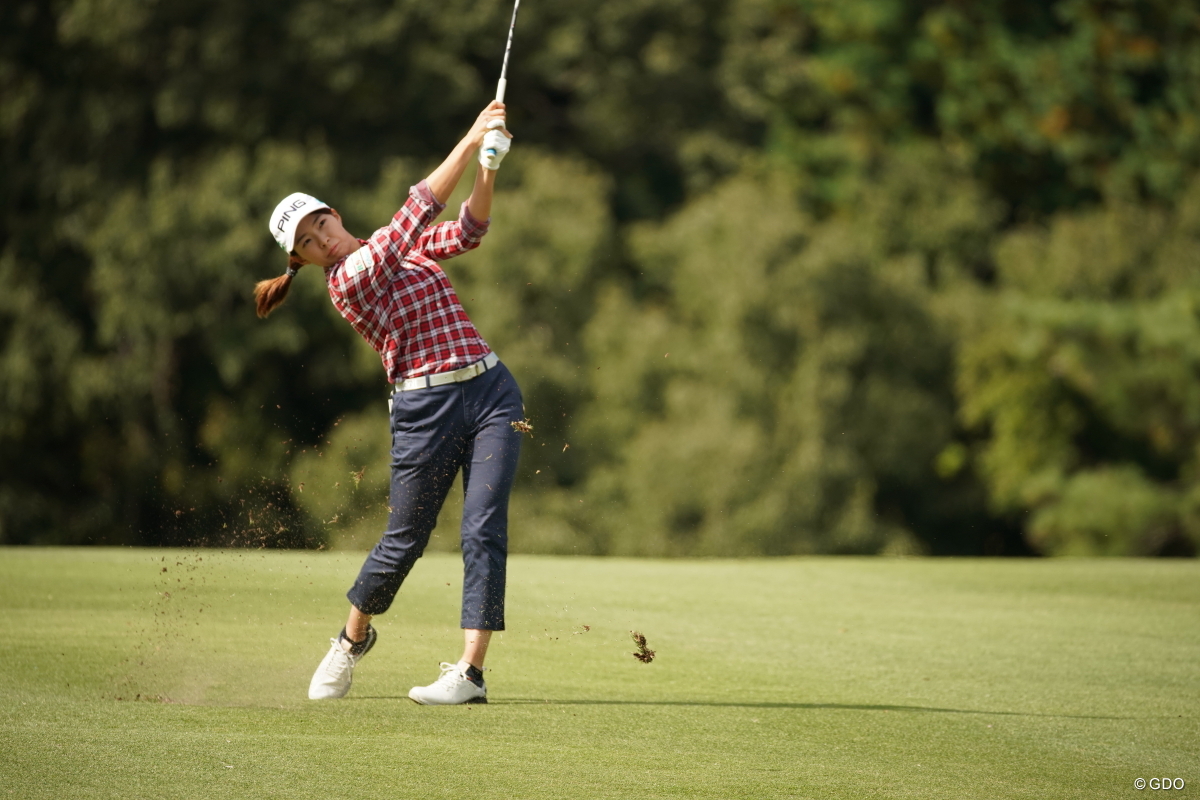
503,83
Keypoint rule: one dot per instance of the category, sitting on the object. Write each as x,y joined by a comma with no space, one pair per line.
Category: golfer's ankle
347,643
473,673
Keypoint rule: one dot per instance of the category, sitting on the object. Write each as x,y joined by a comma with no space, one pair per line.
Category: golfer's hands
495,147
494,112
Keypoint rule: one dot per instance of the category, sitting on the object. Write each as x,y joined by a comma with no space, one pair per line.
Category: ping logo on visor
287,215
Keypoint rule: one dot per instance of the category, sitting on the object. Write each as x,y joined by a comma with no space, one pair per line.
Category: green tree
1083,372
789,387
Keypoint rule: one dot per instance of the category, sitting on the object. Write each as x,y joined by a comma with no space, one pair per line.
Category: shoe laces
342,661
451,676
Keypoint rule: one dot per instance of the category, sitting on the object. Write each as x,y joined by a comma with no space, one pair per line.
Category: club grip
501,86
493,125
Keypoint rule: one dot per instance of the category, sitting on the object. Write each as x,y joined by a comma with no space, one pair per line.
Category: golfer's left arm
449,239
480,201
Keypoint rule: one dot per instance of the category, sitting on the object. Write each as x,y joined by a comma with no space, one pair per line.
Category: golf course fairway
129,673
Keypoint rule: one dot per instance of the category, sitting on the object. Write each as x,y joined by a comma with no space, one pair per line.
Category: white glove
495,146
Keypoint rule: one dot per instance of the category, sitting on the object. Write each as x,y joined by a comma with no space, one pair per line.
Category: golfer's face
321,239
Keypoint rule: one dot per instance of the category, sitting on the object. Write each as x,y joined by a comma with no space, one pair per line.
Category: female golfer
453,403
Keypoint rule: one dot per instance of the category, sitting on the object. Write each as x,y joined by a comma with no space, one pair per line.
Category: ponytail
270,293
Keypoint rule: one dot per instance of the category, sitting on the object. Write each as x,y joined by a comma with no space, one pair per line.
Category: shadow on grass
523,701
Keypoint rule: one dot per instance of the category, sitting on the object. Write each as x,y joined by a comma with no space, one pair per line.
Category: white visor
287,216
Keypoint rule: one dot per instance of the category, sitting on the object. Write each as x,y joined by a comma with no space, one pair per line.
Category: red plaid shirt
396,296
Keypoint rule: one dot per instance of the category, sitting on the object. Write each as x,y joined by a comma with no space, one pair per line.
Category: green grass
814,678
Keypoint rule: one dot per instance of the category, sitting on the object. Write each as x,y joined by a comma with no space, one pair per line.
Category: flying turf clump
522,426
644,653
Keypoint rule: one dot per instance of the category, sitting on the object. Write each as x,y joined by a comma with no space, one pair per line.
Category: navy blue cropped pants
436,432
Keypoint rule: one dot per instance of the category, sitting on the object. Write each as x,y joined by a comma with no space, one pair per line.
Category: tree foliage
776,276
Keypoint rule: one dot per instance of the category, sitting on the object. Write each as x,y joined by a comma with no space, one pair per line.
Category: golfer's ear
269,294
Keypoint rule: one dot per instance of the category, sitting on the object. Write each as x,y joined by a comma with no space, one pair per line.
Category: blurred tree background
776,276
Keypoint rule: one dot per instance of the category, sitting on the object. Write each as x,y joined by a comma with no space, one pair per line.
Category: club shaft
503,84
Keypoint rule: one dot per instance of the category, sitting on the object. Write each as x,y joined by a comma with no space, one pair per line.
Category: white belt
453,376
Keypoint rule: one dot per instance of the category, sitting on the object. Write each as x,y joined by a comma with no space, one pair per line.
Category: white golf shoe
336,671
451,689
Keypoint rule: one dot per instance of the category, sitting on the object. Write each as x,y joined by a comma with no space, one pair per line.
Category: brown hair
269,294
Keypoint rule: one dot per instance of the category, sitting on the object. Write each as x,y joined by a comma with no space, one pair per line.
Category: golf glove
495,147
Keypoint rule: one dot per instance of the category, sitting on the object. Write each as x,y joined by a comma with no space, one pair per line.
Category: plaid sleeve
449,239
363,276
